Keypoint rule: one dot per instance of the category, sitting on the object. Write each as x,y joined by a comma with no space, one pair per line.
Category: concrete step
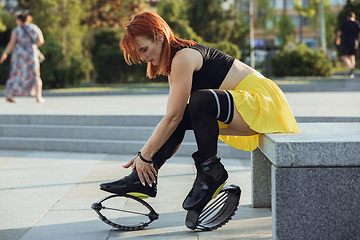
139,133
76,131
123,120
84,120
102,134
104,146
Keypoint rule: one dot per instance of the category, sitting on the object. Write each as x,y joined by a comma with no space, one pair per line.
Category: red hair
151,25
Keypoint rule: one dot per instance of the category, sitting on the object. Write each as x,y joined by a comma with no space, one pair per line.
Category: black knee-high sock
171,146
206,107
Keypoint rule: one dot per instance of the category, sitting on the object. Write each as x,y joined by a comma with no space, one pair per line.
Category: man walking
348,35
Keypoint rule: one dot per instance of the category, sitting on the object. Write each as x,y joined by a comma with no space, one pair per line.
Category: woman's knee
219,103
201,101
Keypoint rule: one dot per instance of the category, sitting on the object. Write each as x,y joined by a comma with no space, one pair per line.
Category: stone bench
311,181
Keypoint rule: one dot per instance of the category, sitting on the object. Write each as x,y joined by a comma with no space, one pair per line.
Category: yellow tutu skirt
263,107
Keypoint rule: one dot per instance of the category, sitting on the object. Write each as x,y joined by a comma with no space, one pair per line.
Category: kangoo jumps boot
130,185
210,178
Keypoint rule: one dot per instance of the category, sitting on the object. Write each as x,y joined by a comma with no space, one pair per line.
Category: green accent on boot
139,195
218,190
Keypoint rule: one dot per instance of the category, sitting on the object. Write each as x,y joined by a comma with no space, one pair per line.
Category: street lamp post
322,26
251,15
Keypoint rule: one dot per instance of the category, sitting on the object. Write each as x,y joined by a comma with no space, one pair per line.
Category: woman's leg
38,88
239,125
206,108
173,143
131,183
8,92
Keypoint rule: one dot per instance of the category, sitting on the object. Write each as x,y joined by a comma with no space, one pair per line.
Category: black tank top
215,67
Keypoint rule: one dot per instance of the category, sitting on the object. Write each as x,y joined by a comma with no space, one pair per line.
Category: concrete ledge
316,203
314,145
260,182
315,181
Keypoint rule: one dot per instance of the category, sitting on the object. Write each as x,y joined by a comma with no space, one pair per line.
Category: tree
312,12
110,13
2,25
7,23
353,6
174,13
240,32
286,29
61,20
265,13
209,20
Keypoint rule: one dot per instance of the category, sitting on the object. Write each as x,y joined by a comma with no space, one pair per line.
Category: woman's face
18,22
149,50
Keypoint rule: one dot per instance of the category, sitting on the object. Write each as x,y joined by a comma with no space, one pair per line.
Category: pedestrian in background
348,36
24,78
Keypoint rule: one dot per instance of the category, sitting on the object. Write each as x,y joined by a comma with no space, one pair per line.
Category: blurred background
279,38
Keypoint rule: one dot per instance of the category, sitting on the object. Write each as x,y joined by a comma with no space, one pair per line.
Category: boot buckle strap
201,185
204,187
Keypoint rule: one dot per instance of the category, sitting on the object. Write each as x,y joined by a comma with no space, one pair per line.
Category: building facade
302,30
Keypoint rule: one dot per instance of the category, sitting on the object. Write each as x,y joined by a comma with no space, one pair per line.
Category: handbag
39,53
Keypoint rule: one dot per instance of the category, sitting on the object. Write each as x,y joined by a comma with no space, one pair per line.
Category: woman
212,94
24,78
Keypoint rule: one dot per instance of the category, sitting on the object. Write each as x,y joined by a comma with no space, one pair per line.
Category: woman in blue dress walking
24,78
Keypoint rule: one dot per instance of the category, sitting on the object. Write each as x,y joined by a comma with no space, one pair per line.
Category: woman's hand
130,163
338,41
3,58
146,171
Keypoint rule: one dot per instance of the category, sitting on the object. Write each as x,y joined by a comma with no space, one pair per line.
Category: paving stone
66,184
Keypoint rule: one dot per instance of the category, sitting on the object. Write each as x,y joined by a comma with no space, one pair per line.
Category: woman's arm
8,48
40,40
338,37
180,81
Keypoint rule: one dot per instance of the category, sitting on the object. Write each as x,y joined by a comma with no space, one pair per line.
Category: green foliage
265,13
2,25
312,12
4,69
109,62
286,29
174,13
331,27
110,13
50,69
240,32
353,6
301,61
61,20
8,23
56,76
209,20
227,47
78,70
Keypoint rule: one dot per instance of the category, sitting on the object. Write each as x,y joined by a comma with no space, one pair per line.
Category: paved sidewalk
303,104
47,195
